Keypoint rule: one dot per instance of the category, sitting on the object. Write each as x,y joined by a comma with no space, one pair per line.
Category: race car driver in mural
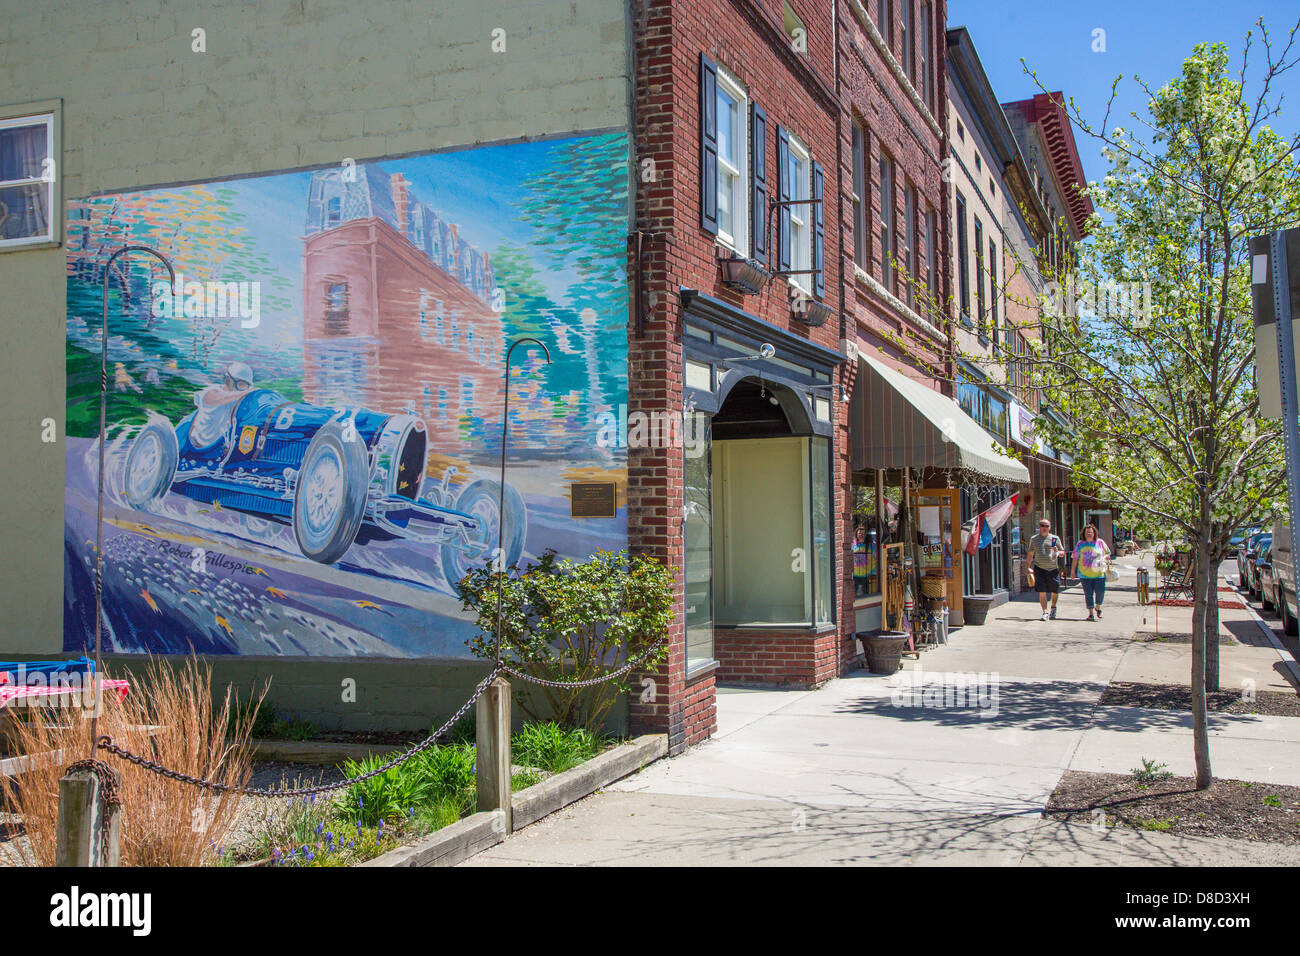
213,414
335,475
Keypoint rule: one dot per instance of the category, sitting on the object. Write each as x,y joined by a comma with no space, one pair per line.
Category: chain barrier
592,682
106,743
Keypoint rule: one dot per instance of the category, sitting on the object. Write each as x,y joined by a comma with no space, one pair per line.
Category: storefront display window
867,536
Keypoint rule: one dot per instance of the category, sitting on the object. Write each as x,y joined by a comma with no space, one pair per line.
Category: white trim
47,119
801,256
738,239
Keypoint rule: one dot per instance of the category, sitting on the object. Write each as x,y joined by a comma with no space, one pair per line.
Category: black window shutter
819,230
758,172
708,145
783,194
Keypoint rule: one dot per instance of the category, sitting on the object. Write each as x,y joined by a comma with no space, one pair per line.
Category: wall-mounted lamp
765,351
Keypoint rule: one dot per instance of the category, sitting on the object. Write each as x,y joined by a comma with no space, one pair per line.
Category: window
798,171
887,238
932,253
961,131
28,175
979,164
867,535
980,315
963,265
910,242
860,251
733,141
333,211
908,36
885,20
927,74
336,308
993,292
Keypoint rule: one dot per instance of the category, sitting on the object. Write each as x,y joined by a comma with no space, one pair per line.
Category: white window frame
47,114
801,215
736,168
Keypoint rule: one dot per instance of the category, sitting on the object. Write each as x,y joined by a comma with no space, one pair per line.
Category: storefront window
697,534
823,591
866,535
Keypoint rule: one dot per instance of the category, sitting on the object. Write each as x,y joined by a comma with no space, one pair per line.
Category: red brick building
736,274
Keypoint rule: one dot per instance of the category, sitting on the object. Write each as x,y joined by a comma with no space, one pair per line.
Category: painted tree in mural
579,209
1164,402
200,230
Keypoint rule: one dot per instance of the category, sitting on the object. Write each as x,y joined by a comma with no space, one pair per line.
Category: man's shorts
1047,581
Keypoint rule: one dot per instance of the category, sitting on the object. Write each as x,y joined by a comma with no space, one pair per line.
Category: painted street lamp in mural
328,472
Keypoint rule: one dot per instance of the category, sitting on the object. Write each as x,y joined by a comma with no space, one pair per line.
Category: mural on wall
304,428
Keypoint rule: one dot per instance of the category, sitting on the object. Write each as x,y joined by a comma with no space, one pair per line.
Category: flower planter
884,652
975,609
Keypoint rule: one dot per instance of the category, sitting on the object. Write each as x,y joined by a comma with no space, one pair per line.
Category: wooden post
89,830
492,762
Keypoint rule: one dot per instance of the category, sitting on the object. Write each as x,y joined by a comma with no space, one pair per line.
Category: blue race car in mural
328,472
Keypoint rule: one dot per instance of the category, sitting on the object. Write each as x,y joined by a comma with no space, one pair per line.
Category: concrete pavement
848,774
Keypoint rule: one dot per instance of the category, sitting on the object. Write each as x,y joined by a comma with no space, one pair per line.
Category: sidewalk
845,775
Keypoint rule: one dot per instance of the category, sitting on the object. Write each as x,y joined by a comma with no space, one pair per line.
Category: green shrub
573,621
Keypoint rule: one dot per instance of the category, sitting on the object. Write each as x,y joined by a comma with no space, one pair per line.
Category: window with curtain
27,179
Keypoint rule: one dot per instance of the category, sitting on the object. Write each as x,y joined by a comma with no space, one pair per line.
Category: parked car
1238,540
1284,591
1252,566
1246,556
1265,586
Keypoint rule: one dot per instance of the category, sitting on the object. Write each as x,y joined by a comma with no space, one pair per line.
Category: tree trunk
1212,628
1200,725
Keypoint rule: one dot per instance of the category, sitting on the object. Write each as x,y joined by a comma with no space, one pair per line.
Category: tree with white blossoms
1164,401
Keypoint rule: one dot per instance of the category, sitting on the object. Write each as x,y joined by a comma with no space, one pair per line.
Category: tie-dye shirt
1091,556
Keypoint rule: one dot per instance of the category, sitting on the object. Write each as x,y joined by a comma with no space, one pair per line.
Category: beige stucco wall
280,86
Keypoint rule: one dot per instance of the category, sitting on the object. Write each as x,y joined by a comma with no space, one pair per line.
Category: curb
480,831
1283,654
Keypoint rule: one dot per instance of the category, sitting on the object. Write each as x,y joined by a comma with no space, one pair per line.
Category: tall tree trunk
1200,724
1212,628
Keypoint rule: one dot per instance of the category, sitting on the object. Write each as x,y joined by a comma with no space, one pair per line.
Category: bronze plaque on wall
593,499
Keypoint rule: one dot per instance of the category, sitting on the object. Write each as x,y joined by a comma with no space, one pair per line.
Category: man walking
1045,548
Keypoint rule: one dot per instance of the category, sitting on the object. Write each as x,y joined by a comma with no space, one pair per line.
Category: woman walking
1091,561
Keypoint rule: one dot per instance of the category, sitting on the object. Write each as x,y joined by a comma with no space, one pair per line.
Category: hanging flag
993,519
973,538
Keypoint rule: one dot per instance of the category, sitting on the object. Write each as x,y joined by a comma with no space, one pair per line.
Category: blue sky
1150,38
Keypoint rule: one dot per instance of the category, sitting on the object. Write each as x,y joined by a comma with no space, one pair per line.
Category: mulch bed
1174,637
1179,697
1182,602
1228,808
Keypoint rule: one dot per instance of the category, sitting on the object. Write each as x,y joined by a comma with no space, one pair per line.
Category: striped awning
1047,473
896,422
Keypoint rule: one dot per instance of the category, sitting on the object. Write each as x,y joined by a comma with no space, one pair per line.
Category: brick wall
746,38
